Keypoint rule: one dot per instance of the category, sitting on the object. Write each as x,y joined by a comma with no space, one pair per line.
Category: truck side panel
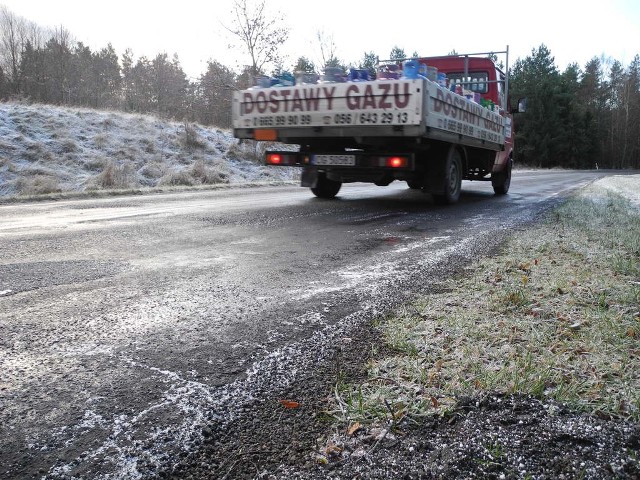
396,108
456,114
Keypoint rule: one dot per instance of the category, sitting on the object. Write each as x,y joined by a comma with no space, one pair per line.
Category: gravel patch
22,277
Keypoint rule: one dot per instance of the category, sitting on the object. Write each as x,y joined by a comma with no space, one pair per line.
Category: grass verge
556,315
106,193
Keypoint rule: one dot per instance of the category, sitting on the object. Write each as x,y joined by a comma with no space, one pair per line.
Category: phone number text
368,118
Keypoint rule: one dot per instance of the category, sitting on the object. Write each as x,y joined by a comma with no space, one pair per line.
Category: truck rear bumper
343,175
347,166
347,160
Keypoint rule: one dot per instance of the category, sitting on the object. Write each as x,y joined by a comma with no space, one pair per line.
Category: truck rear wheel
452,179
501,181
326,188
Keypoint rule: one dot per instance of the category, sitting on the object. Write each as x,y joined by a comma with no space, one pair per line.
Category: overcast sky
574,31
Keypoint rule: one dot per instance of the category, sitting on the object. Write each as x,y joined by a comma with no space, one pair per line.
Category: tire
326,188
452,179
501,181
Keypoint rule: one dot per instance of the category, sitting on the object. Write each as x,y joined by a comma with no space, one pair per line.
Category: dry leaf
332,450
353,428
525,279
400,414
434,402
289,403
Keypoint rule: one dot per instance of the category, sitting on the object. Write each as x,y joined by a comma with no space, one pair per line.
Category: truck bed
365,110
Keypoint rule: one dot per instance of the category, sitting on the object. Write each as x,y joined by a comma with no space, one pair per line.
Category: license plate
346,160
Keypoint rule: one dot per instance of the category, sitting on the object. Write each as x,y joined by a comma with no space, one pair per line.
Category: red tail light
274,159
397,162
284,159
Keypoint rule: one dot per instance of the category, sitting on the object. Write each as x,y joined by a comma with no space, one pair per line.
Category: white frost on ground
626,185
47,149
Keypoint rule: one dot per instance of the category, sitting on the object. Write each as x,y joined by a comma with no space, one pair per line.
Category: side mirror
522,106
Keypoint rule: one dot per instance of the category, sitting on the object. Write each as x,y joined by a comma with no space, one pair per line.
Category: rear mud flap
309,177
433,179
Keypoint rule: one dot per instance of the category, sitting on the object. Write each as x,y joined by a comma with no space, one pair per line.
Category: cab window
475,81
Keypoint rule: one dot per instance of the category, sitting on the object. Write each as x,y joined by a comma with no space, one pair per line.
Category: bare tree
260,35
327,47
12,42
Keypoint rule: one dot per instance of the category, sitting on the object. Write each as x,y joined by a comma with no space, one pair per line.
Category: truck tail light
279,158
274,159
397,162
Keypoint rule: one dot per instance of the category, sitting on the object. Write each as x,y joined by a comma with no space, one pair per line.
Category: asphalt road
128,322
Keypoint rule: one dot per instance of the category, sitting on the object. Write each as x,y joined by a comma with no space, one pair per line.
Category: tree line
575,118
44,66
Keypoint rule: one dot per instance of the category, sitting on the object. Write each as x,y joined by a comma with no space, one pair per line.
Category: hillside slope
48,149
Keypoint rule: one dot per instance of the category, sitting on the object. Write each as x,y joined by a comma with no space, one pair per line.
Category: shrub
114,176
247,150
68,145
94,164
176,178
148,146
218,173
190,138
152,170
100,140
38,185
34,151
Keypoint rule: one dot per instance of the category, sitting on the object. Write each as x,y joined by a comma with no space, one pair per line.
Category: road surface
128,323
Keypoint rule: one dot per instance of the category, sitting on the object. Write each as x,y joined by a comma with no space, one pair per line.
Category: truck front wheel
501,181
326,188
452,179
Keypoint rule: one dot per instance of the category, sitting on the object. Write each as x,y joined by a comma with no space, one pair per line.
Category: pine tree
214,96
369,62
538,132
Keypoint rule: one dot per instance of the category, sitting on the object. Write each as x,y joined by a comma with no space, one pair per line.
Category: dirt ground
495,437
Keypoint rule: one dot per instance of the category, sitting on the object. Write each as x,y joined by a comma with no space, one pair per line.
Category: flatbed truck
431,130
